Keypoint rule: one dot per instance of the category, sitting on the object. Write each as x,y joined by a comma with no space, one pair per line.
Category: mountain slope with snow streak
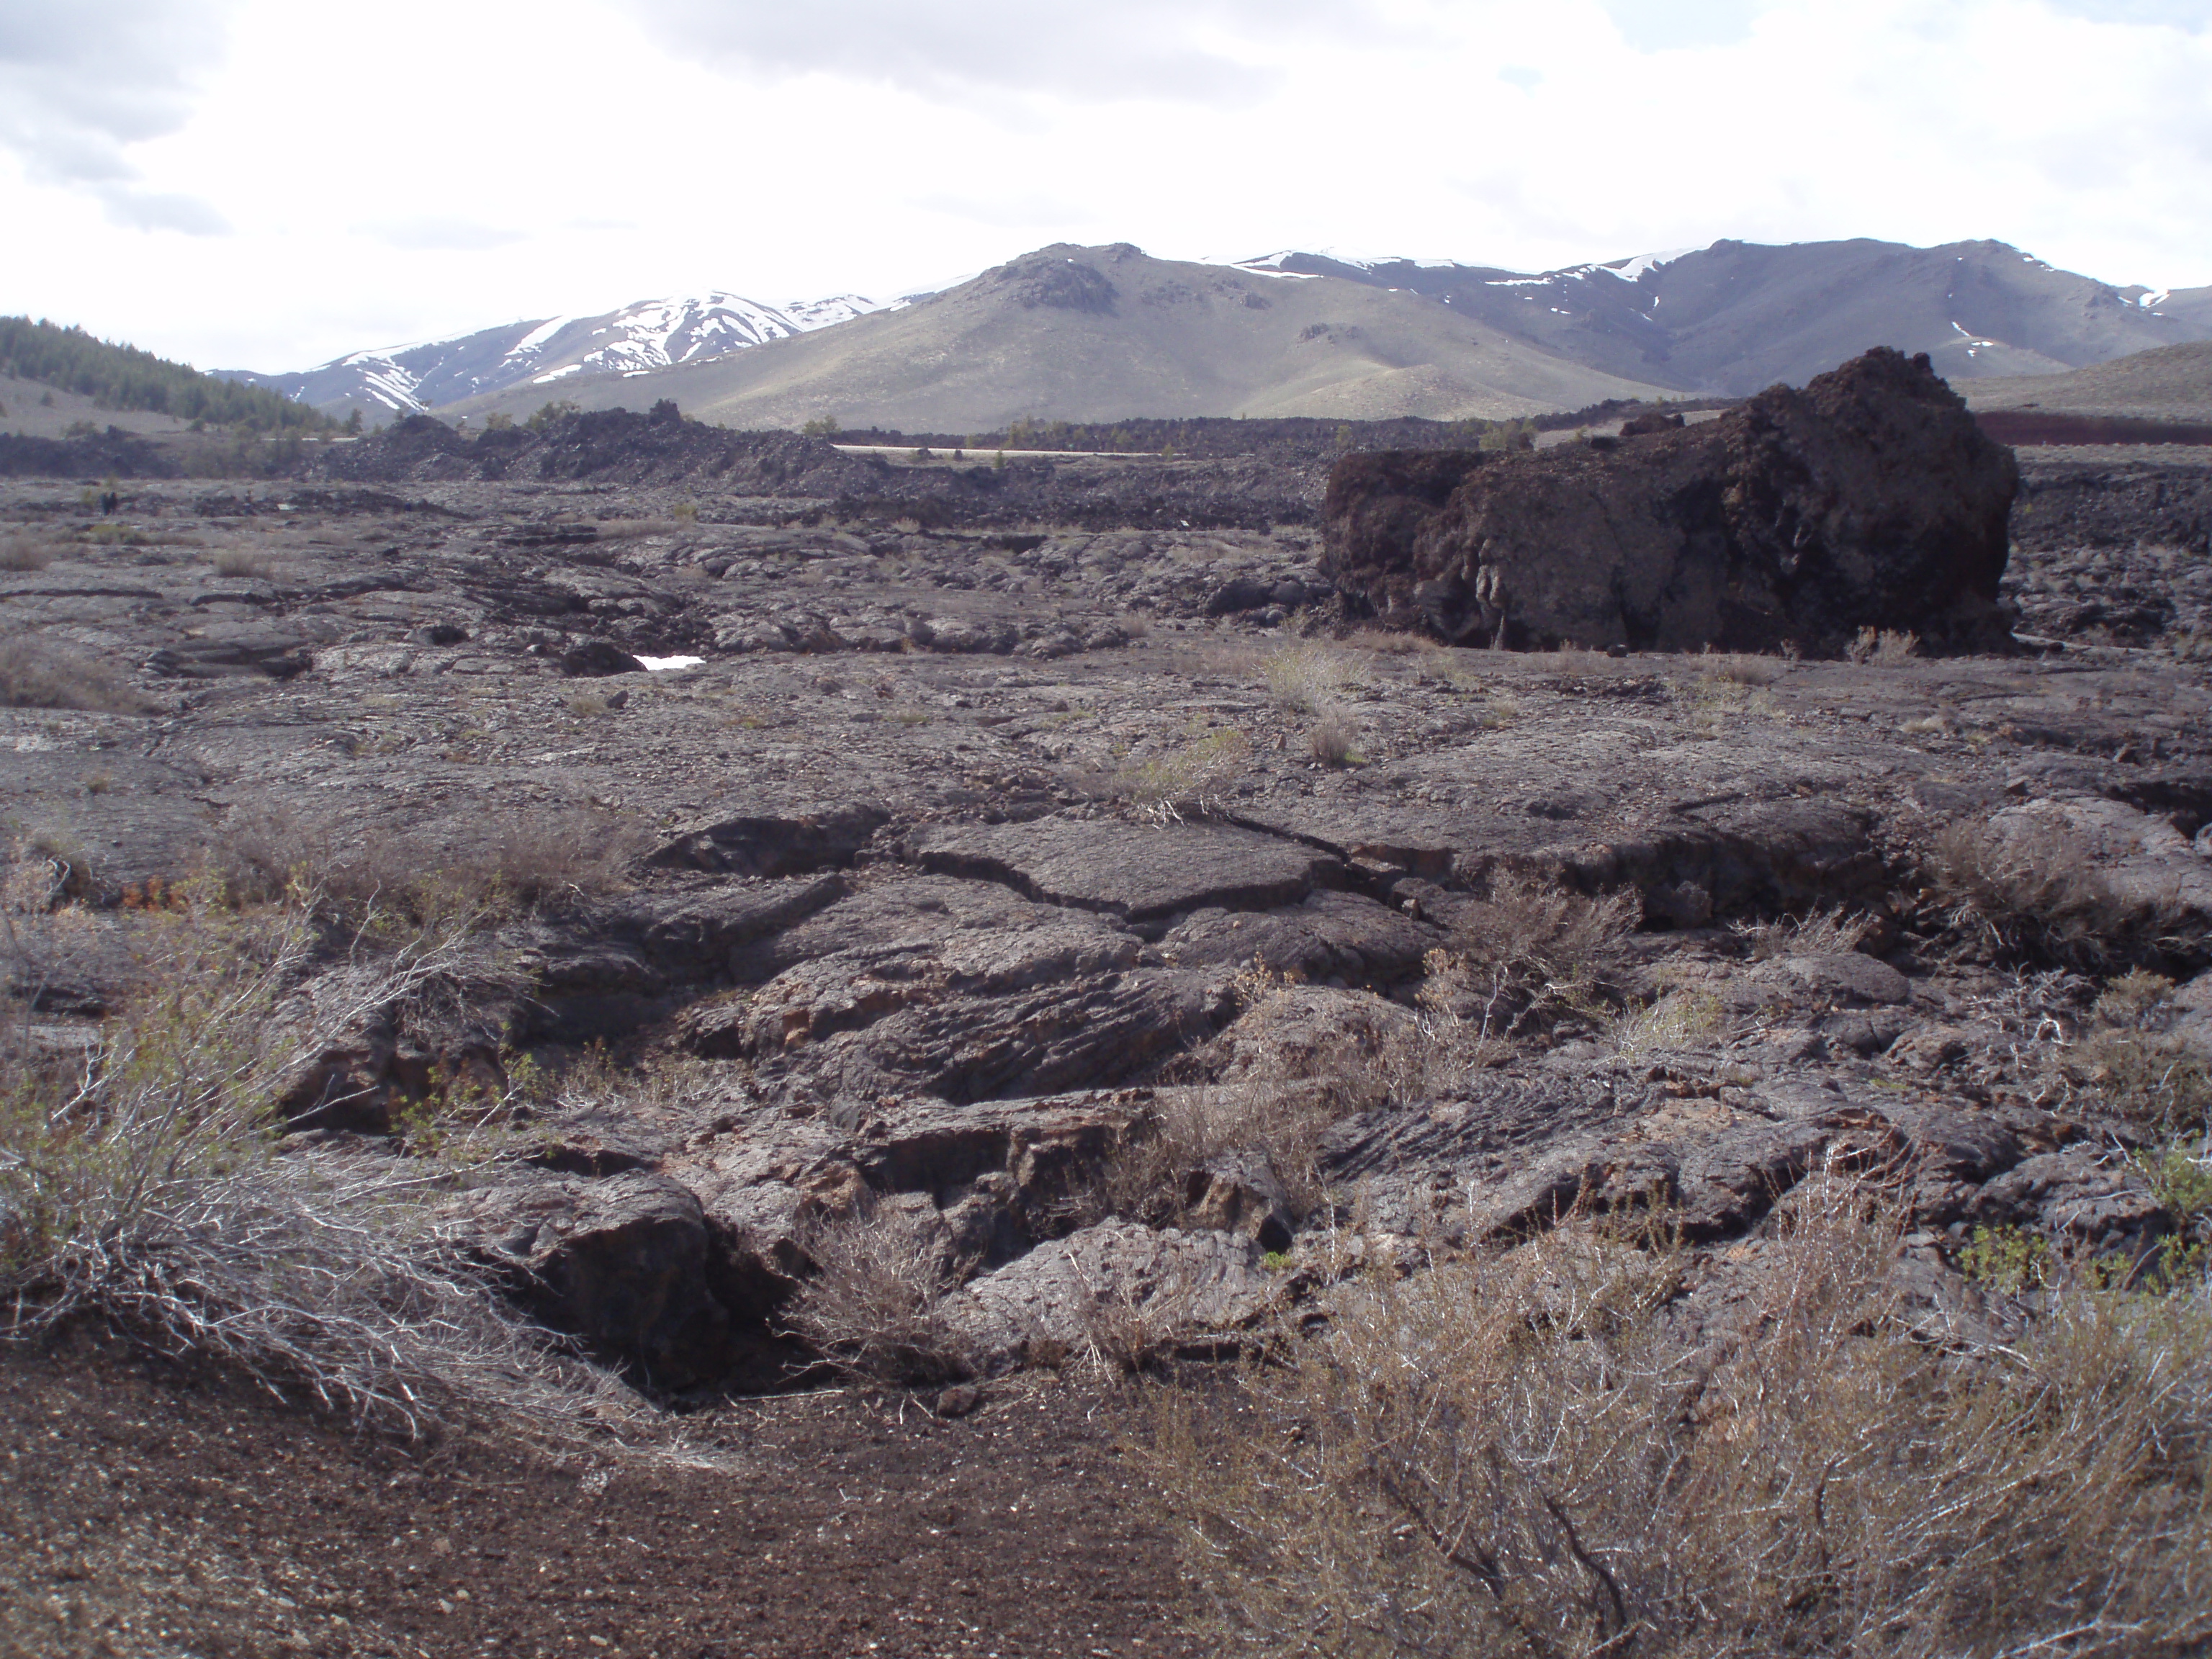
637,339
1735,317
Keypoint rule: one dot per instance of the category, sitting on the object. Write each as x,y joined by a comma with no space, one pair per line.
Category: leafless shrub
1126,1336
1330,740
1817,933
146,1185
874,1307
2034,893
1279,1120
1538,931
22,555
36,673
1519,1454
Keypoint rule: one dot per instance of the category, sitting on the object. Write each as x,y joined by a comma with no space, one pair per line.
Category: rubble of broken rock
1098,902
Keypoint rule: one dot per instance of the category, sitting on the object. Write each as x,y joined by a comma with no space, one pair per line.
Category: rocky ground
967,864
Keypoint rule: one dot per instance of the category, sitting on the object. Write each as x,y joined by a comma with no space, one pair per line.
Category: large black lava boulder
1869,499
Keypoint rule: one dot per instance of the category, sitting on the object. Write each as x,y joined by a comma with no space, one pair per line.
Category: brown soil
150,1511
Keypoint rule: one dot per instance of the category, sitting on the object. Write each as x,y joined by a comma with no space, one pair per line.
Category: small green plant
2180,1179
822,426
2007,1260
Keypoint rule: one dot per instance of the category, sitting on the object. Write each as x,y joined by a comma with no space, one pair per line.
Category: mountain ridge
634,339
1373,338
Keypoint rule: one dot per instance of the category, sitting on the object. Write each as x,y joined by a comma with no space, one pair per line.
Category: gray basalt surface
966,863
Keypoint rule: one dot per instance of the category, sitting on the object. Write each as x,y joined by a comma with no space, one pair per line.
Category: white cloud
80,83
433,234
1197,49
1673,25
415,169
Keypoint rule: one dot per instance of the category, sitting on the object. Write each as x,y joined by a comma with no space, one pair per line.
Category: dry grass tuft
1818,933
1191,776
1306,679
36,673
1529,1453
532,862
1885,647
1389,642
2130,1063
1742,668
1535,932
22,555
1331,741
246,562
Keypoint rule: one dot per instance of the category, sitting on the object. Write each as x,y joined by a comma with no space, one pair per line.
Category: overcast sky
267,183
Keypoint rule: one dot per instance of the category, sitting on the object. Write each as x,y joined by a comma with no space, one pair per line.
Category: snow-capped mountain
637,339
1734,317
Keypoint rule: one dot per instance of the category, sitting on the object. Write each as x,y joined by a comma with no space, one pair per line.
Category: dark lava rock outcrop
1867,499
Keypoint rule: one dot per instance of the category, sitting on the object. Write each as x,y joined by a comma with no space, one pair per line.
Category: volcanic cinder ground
960,851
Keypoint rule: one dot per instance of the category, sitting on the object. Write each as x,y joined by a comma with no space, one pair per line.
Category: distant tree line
123,377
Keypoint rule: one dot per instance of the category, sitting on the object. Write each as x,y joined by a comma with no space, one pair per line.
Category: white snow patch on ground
661,664
570,369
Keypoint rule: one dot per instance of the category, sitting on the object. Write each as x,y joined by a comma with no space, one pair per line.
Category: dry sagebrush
144,1182
2034,895
874,1307
1519,1456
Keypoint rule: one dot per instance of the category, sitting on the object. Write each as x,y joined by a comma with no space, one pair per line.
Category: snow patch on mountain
1632,270
636,339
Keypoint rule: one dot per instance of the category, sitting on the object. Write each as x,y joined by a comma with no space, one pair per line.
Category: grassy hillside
1106,334
121,377
2173,383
